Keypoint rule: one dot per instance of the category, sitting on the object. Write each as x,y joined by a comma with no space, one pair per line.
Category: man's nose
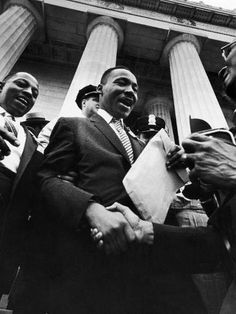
28,91
130,92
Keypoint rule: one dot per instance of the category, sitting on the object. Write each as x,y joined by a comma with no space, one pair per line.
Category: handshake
115,227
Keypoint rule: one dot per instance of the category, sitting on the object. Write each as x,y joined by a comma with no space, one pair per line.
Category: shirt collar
4,113
2,110
106,116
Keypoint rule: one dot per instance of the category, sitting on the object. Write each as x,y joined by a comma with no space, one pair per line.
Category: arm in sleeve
62,199
191,249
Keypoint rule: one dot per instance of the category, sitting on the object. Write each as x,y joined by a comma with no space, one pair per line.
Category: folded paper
149,183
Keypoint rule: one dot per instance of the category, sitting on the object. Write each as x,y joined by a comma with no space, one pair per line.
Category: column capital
106,20
176,40
28,6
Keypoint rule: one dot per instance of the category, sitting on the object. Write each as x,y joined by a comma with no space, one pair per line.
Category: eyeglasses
225,50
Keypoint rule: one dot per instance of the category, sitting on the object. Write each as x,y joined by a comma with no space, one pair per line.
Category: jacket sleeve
65,201
191,249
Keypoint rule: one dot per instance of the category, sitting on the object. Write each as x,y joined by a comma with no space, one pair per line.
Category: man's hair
5,79
108,72
8,77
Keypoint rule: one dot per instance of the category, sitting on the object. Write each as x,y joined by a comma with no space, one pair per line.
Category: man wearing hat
147,126
88,100
35,121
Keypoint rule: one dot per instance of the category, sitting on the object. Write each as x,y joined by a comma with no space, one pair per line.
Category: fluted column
192,91
160,107
18,23
104,39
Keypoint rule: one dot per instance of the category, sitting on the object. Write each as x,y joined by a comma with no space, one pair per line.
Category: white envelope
150,185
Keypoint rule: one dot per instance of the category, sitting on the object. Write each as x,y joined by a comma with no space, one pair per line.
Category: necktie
124,140
9,124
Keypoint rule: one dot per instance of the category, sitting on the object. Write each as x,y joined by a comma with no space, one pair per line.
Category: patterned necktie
124,140
9,124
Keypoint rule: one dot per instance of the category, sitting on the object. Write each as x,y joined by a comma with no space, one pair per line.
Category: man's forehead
93,96
123,73
25,76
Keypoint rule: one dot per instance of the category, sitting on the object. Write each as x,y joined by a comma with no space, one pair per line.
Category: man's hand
6,136
176,158
213,161
116,231
143,230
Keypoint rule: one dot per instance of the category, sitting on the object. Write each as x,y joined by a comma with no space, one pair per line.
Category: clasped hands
115,227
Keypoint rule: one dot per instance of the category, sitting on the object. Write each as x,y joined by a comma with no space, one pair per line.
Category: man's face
90,105
119,93
18,94
228,73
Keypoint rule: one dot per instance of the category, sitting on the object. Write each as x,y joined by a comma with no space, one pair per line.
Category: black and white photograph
117,157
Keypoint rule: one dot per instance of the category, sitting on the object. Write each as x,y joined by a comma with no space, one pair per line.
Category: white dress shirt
45,133
13,160
109,120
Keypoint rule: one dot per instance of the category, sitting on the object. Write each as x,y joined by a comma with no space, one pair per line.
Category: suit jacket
94,151
81,273
18,210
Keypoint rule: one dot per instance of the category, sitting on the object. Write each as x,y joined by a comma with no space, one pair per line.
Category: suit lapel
107,131
29,149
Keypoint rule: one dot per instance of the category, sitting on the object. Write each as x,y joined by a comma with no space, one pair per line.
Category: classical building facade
173,47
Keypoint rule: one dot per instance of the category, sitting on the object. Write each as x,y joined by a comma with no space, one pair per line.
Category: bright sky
225,4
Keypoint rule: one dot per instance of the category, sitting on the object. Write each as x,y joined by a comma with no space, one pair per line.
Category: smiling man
18,93
83,278
101,150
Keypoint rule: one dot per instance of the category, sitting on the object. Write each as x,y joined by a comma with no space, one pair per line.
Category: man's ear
1,86
83,102
100,89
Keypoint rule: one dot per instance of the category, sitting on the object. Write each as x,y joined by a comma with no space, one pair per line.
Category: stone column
192,91
160,107
104,39
18,23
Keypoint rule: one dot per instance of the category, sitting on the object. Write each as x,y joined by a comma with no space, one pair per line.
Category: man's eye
35,93
20,83
122,83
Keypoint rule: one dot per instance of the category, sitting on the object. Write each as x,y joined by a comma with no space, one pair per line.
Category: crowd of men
71,239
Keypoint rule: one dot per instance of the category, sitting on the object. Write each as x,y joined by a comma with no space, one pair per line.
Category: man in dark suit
213,162
101,150
18,93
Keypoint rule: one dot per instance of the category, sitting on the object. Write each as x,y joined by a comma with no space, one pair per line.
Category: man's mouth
128,102
24,101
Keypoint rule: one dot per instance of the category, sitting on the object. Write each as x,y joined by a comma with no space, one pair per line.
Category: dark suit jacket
93,150
18,210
